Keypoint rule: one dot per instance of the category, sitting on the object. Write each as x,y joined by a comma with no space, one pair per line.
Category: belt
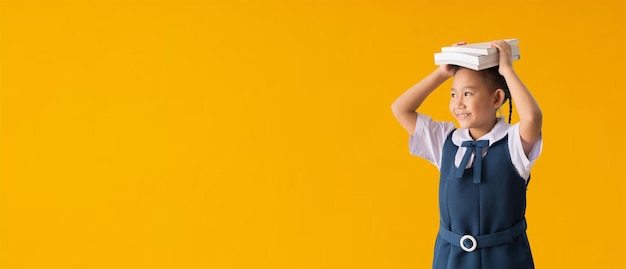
483,241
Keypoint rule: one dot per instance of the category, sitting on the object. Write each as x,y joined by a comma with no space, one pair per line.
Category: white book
478,48
473,58
472,65
469,65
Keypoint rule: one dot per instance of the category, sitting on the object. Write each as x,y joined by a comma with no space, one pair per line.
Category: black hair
493,81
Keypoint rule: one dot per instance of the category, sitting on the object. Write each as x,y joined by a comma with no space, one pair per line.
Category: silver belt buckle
471,238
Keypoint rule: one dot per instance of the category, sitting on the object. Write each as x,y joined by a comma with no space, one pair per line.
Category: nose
458,102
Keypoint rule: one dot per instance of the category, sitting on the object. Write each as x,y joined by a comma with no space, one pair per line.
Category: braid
510,108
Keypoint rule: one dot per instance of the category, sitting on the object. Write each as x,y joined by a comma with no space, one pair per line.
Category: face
471,103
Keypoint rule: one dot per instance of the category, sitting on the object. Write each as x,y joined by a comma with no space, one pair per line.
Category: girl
484,165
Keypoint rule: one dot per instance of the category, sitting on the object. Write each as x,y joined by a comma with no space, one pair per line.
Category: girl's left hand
506,62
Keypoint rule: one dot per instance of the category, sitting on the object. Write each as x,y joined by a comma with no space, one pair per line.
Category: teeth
463,116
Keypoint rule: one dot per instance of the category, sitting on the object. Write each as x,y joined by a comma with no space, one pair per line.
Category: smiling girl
484,165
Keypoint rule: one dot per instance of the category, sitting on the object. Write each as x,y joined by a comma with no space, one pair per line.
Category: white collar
499,131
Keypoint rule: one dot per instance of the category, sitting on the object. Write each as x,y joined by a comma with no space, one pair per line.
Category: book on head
473,58
473,66
483,48
476,56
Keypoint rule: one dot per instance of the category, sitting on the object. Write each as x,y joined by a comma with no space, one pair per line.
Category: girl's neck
479,132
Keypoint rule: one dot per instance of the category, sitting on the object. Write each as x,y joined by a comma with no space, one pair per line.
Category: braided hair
494,81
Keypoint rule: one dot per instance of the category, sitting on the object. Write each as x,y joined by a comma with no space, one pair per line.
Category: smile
463,116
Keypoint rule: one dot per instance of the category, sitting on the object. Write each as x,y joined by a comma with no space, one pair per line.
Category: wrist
442,74
507,71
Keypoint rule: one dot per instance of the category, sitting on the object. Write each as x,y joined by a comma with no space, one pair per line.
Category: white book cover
469,65
473,66
483,48
473,58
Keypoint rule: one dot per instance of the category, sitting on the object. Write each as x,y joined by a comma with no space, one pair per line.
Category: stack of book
475,56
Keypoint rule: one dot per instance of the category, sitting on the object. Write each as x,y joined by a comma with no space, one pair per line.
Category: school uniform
482,194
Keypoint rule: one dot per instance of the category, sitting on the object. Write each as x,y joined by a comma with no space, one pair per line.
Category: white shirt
429,136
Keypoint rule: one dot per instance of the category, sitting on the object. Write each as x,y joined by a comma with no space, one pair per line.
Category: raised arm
404,106
527,108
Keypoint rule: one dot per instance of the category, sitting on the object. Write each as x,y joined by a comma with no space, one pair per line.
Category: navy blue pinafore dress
481,210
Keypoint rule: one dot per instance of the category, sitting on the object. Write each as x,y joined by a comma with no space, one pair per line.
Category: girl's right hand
450,70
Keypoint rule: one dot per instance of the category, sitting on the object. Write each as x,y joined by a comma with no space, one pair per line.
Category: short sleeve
523,163
428,139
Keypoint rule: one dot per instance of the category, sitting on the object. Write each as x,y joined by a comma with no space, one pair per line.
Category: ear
499,96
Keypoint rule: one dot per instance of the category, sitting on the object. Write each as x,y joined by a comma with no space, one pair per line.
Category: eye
467,93
453,95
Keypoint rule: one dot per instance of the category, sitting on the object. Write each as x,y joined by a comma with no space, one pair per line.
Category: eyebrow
465,87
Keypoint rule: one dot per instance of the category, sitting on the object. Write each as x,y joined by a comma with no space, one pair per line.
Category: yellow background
259,134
